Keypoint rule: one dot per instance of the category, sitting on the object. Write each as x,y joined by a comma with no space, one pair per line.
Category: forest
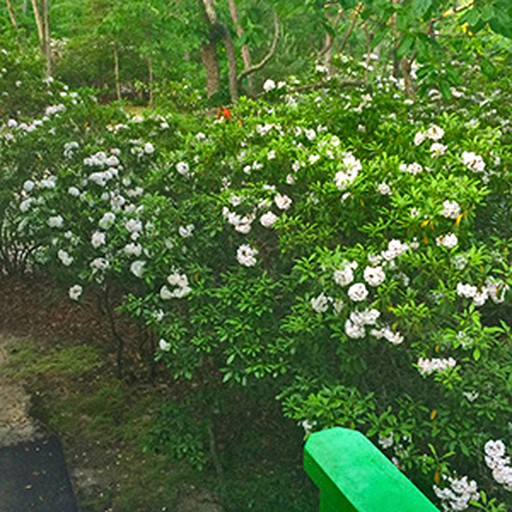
228,224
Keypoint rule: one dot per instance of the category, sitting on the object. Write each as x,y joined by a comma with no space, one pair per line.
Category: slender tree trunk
405,65
12,16
116,73
14,22
211,65
246,53
327,50
47,48
150,82
39,22
42,17
209,54
232,67
368,52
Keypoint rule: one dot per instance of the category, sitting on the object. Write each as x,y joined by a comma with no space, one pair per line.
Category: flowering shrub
350,251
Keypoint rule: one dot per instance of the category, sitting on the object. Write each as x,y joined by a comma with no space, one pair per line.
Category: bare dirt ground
16,424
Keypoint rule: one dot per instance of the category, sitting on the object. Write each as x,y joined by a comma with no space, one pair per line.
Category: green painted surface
355,476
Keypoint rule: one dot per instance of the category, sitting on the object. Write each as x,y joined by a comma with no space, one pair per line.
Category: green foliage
344,249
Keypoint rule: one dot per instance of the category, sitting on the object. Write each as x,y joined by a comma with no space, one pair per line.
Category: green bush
348,250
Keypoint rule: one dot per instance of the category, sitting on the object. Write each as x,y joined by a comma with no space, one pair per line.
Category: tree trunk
42,17
232,72
39,22
211,65
12,16
405,65
209,50
327,51
368,52
116,74
246,53
150,82
47,48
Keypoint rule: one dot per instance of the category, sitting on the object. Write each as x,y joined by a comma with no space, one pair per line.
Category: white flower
449,241
435,365
320,304
73,191
75,292
65,258
354,331
98,239
480,298
393,337
419,138
137,268
243,227
268,219
132,249
459,493
28,186
100,264
107,220
290,179
497,290
186,231
345,275
112,161
374,276
437,149
358,292
183,168
26,204
414,168
435,133
338,305
395,249
176,279
164,345
365,317
352,166
466,290
165,293
384,189
451,209
269,85
149,149
235,200
310,134
473,161
246,255
283,202
133,226
56,222
386,442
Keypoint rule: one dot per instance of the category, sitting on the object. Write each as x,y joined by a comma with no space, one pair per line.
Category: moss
28,360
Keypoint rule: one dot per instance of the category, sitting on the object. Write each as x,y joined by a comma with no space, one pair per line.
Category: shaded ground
63,356
34,478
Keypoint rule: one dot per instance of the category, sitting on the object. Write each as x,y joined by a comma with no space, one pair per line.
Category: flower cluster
435,365
499,463
458,494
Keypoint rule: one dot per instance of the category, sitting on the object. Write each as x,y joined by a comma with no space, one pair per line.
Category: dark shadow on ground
34,478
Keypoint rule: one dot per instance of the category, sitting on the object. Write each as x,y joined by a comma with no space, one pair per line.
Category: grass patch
28,360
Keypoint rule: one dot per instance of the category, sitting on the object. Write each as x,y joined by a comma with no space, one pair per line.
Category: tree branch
268,57
351,27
